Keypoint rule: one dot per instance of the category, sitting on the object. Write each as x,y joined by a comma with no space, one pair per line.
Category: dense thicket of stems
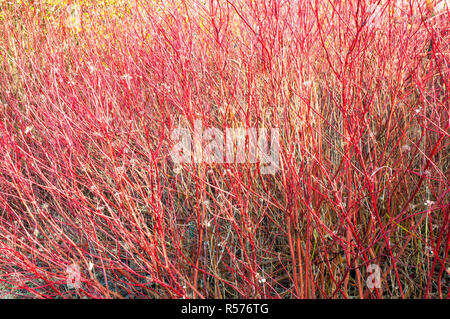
90,92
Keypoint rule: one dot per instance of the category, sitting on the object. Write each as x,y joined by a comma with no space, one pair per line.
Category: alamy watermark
374,278
73,276
234,145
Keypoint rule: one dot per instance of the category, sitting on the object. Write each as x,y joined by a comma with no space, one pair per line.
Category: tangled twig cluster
92,205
